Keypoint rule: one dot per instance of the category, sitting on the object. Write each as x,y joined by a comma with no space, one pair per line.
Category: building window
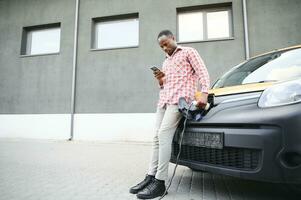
115,32
197,24
42,39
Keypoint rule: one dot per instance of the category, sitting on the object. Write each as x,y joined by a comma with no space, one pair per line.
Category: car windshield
275,66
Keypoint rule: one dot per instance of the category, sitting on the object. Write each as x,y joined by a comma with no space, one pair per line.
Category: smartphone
155,68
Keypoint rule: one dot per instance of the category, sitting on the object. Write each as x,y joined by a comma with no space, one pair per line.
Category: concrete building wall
108,81
273,24
114,85
119,80
35,84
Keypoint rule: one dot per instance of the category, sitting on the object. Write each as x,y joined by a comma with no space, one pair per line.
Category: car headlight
284,93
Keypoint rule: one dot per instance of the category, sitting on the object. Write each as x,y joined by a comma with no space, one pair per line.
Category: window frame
27,39
108,19
205,10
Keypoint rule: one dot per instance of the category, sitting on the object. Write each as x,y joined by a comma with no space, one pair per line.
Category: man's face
167,43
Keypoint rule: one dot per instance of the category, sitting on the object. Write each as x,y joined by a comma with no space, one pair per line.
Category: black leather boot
155,189
148,179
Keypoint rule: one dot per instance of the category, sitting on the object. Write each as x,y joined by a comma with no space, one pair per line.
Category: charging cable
180,147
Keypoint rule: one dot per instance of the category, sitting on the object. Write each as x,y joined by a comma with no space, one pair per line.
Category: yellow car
253,128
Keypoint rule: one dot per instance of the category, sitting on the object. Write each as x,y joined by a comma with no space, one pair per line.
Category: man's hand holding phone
158,75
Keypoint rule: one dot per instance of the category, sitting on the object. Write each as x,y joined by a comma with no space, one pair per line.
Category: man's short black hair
165,32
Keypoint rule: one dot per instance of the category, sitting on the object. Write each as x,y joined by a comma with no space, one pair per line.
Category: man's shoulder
187,49
190,51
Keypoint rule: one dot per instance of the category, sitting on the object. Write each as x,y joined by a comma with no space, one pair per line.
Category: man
182,70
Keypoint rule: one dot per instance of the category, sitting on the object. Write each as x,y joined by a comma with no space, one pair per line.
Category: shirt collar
175,51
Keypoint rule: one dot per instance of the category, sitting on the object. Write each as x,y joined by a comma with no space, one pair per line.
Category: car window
275,66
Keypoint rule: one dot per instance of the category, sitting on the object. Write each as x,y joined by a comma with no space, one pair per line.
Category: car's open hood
251,87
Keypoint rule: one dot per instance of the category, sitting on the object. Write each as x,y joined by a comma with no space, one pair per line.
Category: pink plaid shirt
183,70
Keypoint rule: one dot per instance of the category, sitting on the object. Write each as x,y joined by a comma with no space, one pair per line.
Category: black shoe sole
141,196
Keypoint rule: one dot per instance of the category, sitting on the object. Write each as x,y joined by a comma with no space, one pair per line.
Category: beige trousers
167,120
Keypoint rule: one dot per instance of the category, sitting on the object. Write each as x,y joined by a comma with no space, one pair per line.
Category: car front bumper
259,144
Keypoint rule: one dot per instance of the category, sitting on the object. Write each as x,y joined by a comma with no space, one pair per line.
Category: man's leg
166,132
155,155
155,146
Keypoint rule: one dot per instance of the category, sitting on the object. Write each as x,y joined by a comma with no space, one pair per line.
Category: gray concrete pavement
62,170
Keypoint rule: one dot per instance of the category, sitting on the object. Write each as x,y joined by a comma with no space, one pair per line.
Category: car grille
229,157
